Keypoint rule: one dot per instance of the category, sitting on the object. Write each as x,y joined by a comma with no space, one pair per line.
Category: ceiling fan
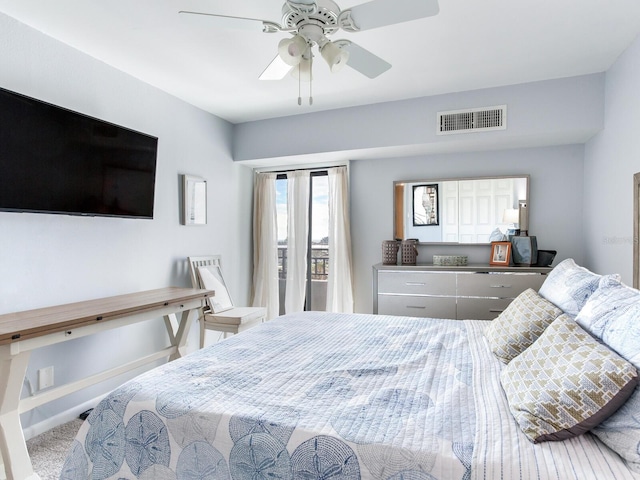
311,22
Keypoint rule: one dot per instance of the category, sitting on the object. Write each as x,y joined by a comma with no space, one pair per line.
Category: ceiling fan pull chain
310,80
299,86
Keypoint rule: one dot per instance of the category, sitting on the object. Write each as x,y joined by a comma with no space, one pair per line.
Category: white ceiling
469,45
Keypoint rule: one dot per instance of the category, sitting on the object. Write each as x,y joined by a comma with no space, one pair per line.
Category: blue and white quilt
324,396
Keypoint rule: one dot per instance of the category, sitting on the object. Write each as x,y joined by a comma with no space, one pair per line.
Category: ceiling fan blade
276,70
363,60
210,20
379,13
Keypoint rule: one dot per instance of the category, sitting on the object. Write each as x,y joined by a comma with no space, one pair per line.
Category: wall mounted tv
53,160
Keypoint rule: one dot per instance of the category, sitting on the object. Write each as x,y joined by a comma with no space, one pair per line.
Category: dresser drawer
434,307
417,283
501,285
481,308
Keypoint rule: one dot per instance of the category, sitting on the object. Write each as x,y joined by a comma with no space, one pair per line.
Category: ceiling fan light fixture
303,70
335,57
292,49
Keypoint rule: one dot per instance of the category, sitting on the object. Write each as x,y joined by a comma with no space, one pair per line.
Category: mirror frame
636,230
398,203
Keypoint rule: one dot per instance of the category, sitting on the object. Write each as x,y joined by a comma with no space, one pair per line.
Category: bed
318,395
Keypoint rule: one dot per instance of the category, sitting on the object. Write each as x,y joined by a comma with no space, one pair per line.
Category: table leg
179,339
13,447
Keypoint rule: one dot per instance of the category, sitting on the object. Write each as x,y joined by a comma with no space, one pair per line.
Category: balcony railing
319,262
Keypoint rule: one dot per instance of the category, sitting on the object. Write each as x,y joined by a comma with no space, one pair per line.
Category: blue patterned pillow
611,314
621,431
569,286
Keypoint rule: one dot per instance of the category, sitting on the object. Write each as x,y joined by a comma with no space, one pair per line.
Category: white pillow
611,314
211,279
568,286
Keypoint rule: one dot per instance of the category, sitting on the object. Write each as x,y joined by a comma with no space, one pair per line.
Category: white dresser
473,291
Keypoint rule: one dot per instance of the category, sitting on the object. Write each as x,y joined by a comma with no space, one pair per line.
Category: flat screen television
54,160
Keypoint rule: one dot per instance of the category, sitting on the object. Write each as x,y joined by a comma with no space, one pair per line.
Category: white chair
220,314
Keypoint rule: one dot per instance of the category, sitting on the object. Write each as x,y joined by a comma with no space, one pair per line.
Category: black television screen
54,160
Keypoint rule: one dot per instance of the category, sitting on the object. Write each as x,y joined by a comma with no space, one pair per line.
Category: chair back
214,263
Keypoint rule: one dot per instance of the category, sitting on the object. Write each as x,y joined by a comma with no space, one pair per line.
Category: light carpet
49,449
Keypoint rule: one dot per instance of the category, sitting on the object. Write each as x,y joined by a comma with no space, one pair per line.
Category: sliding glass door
317,256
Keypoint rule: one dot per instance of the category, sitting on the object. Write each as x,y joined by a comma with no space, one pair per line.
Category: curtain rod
294,168
315,169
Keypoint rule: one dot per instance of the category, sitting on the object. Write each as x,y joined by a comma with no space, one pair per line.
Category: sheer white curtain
297,239
340,279
265,245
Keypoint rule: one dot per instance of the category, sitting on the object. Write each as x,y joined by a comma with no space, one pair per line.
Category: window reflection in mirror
462,210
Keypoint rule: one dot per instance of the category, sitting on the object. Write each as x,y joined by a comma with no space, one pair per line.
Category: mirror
636,230
464,210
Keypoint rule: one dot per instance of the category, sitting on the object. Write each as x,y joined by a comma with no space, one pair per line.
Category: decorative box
450,260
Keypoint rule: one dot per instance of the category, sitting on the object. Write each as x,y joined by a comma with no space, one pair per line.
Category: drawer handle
414,284
417,307
499,286
495,310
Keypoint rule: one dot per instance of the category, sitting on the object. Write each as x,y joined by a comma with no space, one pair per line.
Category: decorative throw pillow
612,314
521,323
568,286
566,383
621,431
211,279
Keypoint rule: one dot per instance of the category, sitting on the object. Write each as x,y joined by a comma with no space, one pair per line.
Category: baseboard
59,419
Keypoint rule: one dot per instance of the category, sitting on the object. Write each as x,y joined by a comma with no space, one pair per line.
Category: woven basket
409,252
390,252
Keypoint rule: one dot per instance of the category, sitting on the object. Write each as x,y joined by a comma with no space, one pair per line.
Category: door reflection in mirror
463,210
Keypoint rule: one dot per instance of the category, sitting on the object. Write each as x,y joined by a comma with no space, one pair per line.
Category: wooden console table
22,332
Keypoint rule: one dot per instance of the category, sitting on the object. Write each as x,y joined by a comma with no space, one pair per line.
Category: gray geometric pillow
521,323
566,383
569,285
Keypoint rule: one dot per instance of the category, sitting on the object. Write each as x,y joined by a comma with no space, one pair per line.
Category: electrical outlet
45,378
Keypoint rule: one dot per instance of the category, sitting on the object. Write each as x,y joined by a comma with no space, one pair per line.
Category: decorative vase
390,252
409,251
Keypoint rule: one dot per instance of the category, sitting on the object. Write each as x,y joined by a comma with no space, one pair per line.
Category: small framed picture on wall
500,254
194,191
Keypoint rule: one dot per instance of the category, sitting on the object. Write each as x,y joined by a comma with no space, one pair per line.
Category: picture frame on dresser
500,254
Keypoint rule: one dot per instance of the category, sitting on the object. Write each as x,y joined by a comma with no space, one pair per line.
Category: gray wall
555,189
553,112
53,259
551,118
611,159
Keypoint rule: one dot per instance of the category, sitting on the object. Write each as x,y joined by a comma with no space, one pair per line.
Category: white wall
53,259
555,189
611,159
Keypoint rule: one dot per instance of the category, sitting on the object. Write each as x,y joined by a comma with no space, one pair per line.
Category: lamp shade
303,70
292,49
511,216
335,57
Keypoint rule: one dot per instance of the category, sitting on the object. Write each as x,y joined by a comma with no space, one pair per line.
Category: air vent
472,120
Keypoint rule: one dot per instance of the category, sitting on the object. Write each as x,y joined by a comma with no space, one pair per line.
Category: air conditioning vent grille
472,120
